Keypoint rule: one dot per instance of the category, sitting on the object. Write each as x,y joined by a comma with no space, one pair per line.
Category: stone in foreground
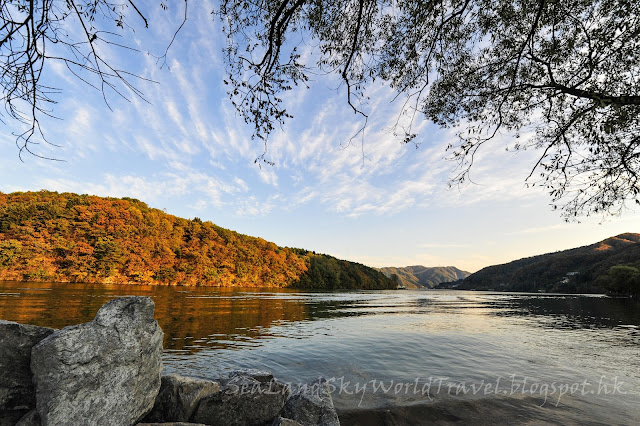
260,375
178,398
171,424
281,421
16,342
312,405
17,394
243,400
30,419
104,372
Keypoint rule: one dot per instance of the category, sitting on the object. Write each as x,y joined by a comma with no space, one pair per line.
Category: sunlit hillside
46,236
611,265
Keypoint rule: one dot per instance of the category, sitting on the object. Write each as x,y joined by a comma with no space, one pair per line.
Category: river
392,357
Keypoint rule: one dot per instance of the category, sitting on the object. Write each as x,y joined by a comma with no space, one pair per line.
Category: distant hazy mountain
419,276
579,270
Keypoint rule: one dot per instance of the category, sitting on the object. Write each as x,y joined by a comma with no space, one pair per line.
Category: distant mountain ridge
419,276
578,270
47,236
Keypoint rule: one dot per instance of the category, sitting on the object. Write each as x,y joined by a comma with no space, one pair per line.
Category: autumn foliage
46,236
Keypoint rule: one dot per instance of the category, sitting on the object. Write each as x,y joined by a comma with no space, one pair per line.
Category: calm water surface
545,358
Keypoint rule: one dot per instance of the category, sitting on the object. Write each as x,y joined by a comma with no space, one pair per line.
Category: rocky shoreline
109,372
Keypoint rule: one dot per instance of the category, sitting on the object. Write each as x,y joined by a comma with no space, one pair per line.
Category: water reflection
369,335
196,318
570,311
191,319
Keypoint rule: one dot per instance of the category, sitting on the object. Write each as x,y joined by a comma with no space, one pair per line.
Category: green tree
396,279
624,280
108,256
9,252
566,73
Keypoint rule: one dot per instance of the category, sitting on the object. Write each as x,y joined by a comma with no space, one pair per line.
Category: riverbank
109,372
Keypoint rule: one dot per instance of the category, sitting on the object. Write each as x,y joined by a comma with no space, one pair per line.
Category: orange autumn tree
46,236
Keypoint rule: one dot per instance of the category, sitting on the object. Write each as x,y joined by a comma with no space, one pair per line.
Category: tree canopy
558,77
46,236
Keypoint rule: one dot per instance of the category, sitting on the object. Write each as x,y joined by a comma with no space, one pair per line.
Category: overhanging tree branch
29,27
568,73
601,99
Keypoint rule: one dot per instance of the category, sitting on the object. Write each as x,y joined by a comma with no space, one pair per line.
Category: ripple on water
360,337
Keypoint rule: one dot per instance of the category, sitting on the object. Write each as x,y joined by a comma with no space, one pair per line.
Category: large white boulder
104,372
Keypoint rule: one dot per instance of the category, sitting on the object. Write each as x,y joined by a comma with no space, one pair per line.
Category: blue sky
188,152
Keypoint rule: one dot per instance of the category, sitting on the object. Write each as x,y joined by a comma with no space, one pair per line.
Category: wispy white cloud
241,184
252,206
200,205
268,175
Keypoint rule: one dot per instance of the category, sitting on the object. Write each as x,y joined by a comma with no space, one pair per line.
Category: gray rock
242,401
11,417
104,372
311,405
32,418
260,375
16,384
178,398
281,421
171,424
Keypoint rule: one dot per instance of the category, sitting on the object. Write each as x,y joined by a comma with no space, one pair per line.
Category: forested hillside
611,266
46,236
327,272
424,276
